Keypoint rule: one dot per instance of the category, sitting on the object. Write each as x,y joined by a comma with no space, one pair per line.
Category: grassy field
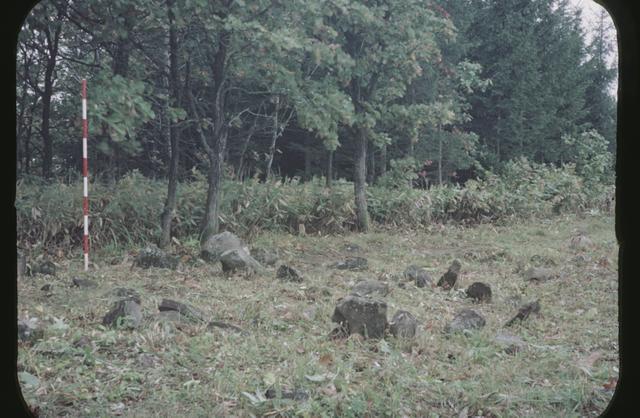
568,367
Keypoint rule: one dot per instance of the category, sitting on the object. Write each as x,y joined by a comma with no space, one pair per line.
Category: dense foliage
335,88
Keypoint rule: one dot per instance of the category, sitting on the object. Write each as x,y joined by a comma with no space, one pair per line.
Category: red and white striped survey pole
85,174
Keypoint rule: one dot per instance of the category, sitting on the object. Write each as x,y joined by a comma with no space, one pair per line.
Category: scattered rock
370,288
365,316
524,312
539,274
126,312
46,267
297,394
224,325
266,257
417,274
352,248
511,343
351,263
28,331
448,279
480,292
465,320
288,274
80,282
239,260
126,293
581,242
403,324
211,250
152,256
183,309
47,287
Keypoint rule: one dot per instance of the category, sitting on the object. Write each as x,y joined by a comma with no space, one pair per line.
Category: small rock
511,343
215,245
80,282
152,256
403,324
183,309
126,293
238,260
524,312
46,267
28,331
539,274
370,287
418,274
352,248
47,287
266,257
127,312
465,320
581,242
480,292
288,273
297,394
351,263
365,316
448,279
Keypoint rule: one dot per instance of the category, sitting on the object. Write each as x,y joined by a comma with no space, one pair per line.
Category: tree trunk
329,178
219,139
274,138
174,90
383,160
359,181
440,159
371,164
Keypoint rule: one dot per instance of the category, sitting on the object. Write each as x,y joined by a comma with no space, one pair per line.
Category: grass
167,369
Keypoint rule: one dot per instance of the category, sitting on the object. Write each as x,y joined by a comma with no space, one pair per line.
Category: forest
266,178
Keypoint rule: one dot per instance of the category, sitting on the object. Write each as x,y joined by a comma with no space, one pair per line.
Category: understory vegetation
49,215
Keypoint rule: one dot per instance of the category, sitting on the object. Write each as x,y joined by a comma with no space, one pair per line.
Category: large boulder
152,256
417,274
465,320
370,288
403,325
238,259
126,312
364,316
212,248
448,279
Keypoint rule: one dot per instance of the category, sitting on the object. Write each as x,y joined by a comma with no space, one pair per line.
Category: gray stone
418,274
581,242
353,248
46,267
266,257
126,312
448,279
524,312
187,311
81,282
28,331
351,263
238,260
46,287
211,250
510,343
152,256
365,316
479,292
539,274
465,320
370,288
403,325
288,273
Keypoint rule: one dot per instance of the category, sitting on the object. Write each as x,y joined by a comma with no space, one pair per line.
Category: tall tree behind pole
174,91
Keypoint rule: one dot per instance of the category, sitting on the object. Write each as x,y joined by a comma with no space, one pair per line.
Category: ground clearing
567,368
